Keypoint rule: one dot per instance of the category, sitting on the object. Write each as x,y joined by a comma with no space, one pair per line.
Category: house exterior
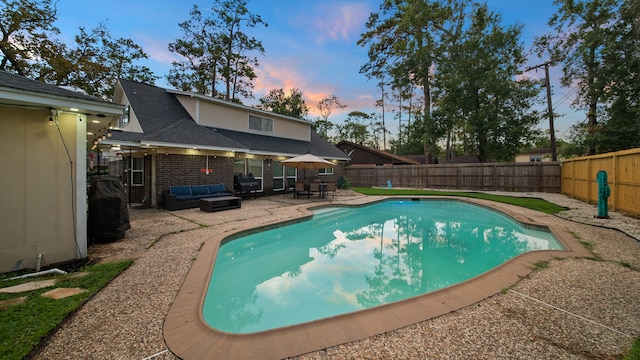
169,137
534,155
364,155
44,166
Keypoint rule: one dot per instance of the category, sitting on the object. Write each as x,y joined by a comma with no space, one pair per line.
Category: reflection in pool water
349,259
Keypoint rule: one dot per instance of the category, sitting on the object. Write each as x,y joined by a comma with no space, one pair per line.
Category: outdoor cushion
199,190
215,188
180,190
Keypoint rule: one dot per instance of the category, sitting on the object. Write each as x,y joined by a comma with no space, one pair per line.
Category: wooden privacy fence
538,176
623,173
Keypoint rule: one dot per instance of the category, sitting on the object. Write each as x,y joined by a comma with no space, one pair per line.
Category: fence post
495,177
588,181
540,177
616,182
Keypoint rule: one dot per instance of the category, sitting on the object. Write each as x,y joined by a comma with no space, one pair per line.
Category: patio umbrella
307,161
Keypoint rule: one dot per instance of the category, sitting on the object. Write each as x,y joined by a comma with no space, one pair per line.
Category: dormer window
125,116
260,124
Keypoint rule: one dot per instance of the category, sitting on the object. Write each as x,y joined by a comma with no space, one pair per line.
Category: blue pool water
348,259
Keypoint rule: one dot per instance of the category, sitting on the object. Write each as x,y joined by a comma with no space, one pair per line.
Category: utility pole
554,153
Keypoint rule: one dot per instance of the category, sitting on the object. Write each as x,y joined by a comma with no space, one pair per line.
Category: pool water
349,259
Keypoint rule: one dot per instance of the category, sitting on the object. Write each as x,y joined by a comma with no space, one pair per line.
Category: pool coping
188,336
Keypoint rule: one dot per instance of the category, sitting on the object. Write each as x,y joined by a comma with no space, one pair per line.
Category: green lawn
23,326
530,203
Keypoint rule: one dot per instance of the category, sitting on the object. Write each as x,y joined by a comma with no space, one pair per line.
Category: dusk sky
309,44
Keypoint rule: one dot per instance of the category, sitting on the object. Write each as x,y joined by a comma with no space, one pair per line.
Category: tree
93,63
620,125
583,33
201,51
24,25
477,87
215,49
322,125
291,105
403,39
354,128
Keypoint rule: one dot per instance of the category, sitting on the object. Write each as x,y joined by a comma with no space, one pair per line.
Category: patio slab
61,293
30,286
5,304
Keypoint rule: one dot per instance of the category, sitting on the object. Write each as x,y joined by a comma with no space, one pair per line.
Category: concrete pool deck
577,307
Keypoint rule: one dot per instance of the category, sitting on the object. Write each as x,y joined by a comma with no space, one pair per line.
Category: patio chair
314,187
289,187
331,188
299,189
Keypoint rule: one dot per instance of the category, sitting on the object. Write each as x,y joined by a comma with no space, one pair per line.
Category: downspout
38,272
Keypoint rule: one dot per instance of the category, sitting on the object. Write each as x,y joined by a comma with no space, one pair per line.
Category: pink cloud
157,49
340,21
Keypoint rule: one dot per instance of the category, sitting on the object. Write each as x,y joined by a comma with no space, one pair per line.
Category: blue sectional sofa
188,196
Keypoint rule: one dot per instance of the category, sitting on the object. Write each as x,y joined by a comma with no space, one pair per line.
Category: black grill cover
108,213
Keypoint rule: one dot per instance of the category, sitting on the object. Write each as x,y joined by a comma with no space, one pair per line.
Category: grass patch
541,265
634,353
588,245
23,326
529,203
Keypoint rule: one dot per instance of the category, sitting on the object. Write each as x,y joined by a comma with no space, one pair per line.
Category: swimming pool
349,259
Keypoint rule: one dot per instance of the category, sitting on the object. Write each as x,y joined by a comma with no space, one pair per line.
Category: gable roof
389,158
165,122
23,83
20,90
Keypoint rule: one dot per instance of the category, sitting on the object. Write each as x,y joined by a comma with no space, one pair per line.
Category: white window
535,158
325,171
278,176
137,171
260,124
125,116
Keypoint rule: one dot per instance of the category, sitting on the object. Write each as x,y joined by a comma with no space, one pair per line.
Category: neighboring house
364,155
169,137
44,171
534,155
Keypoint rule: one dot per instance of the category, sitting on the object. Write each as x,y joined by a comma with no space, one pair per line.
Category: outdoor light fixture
52,114
109,133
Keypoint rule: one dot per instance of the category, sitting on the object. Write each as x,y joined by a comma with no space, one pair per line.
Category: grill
245,184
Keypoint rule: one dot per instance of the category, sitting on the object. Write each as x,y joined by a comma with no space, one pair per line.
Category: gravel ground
573,309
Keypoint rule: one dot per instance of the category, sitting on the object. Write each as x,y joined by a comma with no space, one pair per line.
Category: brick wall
175,169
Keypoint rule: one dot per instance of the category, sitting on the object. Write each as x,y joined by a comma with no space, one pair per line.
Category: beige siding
36,192
234,118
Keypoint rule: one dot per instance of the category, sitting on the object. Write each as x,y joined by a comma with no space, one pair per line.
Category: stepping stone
4,304
30,286
61,293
